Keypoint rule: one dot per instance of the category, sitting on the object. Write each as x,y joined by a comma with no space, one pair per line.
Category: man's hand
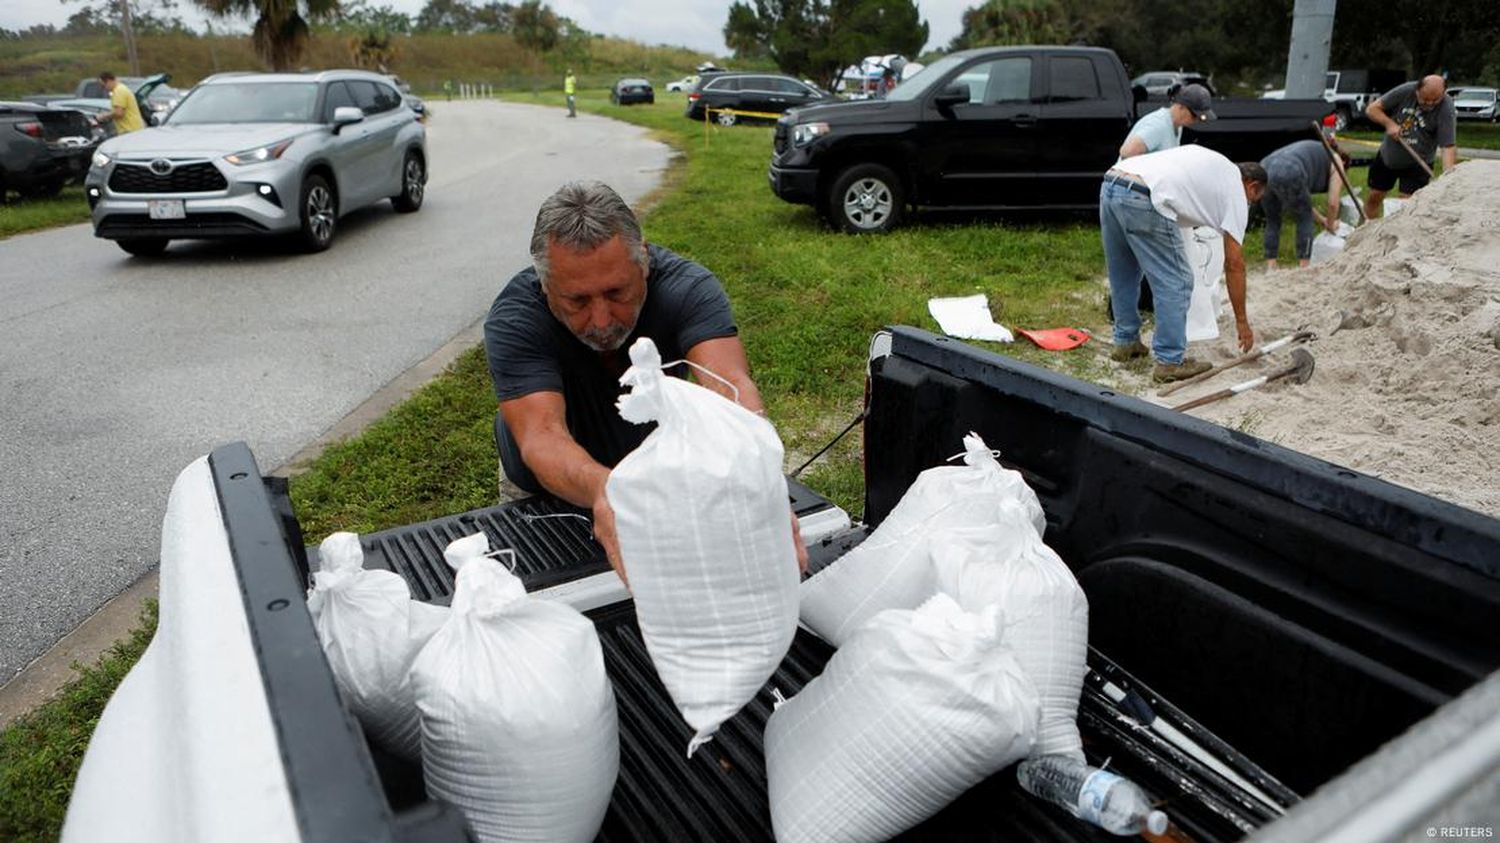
604,534
1247,336
1331,224
1393,129
801,548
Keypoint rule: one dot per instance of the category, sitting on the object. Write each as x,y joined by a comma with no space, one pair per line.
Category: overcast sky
692,23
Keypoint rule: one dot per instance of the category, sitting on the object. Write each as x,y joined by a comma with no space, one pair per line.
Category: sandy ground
1409,389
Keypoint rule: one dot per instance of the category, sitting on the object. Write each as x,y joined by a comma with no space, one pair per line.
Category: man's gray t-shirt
1424,129
1307,160
529,351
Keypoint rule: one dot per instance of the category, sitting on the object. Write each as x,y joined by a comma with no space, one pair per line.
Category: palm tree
280,34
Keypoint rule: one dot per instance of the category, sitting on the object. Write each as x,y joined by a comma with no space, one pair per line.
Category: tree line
280,28
1242,43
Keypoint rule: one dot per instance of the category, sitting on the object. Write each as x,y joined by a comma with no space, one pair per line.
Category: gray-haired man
557,340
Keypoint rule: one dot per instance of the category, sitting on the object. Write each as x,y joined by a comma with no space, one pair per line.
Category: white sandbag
1392,204
1325,246
1205,252
371,630
705,530
916,708
1046,614
1348,211
891,568
518,717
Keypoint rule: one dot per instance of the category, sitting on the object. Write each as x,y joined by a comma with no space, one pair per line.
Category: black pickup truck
995,128
1288,614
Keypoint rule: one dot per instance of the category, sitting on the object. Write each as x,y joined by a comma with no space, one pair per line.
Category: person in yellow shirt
124,110
570,87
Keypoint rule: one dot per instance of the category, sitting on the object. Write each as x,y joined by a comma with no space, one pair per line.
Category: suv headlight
805,133
101,160
260,154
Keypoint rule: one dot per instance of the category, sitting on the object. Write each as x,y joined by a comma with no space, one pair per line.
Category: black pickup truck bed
1301,612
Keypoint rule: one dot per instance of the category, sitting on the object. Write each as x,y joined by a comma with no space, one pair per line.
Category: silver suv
257,154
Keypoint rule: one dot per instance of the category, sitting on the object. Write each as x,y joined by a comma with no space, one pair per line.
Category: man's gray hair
582,216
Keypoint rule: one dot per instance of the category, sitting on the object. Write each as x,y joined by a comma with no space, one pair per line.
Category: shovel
1274,345
1300,370
1413,153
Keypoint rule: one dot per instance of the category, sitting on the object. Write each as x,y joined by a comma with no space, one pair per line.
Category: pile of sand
1409,390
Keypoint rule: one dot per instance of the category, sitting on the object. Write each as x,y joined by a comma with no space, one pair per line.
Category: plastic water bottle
1110,801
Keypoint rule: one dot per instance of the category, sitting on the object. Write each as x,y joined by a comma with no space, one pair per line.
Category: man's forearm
565,469
1450,158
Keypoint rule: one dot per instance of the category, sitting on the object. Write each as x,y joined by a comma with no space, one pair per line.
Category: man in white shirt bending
1145,203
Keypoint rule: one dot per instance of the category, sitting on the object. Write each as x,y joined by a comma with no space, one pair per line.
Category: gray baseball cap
1195,98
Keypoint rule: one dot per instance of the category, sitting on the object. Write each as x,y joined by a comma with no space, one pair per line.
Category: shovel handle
1274,345
1338,167
1413,153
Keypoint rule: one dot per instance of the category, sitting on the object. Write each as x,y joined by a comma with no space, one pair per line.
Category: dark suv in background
42,148
768,93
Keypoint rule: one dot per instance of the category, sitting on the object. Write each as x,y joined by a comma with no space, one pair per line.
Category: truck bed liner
720,794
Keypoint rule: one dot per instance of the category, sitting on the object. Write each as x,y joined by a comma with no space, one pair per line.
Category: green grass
40,753
1472,134
22,215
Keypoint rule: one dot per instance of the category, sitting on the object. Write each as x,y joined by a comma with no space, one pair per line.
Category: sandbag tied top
519,728
371,631
917,707
488,586
704,525
892,568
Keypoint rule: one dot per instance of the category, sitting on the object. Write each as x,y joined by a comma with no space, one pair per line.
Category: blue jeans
1140,241
1287,191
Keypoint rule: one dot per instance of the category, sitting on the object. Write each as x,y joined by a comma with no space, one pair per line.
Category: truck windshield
248,102
924,79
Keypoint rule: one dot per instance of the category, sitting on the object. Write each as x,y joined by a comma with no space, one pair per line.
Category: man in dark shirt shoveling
557,341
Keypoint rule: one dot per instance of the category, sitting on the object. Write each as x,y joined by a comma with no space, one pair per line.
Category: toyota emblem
161,166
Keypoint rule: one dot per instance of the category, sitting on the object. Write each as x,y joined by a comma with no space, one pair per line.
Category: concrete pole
130,55
1312,36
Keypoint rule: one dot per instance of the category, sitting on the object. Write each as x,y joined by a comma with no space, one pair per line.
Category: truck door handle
1024,121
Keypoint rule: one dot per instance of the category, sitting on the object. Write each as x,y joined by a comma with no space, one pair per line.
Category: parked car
998,127
631,91
41,148
155,97
257,154
1477,104
1351,92
1161,83
683,85
766,93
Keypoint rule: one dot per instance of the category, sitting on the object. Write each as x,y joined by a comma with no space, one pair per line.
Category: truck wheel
144,247
1342,118
413,185
319,209
866,199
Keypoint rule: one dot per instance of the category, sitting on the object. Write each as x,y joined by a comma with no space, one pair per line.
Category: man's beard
605,339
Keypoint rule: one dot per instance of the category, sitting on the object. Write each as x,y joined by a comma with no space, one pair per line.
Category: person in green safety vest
570,87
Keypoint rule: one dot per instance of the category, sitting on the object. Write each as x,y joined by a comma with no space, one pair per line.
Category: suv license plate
165,209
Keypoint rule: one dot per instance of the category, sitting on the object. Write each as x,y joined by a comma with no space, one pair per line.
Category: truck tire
413,185
866,199
1343,117
144,247
319,212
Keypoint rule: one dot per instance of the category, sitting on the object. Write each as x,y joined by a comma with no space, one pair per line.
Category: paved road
116,372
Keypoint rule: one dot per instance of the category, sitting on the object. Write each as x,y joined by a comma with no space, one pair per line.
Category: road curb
40,681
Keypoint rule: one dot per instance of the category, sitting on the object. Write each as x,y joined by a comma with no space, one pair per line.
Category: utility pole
1307,61
130,55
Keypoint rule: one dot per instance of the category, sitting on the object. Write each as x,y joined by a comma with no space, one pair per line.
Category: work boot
1169,372
1128,351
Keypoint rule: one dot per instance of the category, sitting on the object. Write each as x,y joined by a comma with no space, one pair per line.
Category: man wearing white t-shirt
1144,204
